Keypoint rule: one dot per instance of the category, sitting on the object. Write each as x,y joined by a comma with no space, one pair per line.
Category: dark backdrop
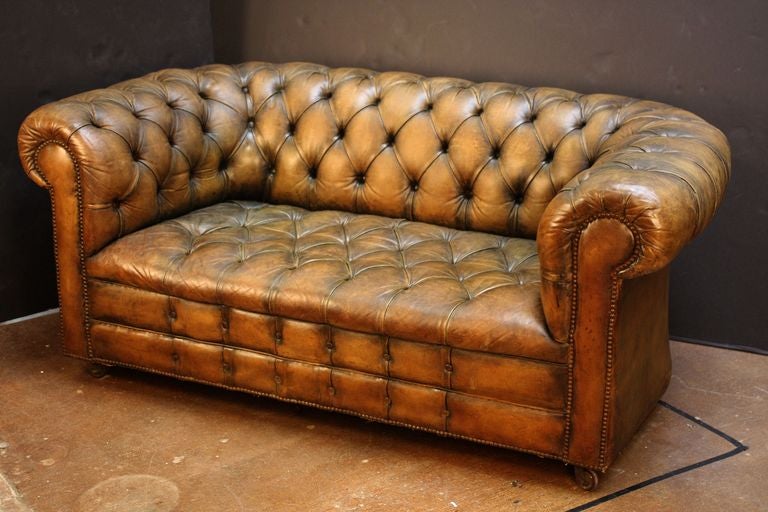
52,49
708,57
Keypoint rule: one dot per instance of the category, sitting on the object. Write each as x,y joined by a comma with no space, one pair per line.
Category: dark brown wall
52,49
709,57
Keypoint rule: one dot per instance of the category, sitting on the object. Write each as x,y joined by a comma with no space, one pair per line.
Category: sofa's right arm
55,168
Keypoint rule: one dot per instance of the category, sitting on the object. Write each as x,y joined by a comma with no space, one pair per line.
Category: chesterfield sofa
479,260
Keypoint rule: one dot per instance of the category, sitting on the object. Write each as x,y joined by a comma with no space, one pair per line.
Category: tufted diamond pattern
486,157
374,274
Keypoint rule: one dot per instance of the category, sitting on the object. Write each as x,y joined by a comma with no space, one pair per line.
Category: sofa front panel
445,411
516,380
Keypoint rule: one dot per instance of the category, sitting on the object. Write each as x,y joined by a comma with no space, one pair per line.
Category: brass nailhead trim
81,242
634,257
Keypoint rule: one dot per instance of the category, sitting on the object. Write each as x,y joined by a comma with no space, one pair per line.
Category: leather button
245,90
278,379
226,368
331,390
360,179
414,186
175,357
329,345
172,314
448,367
387,357
251,122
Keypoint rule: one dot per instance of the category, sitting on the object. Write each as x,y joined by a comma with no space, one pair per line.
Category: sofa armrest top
662,173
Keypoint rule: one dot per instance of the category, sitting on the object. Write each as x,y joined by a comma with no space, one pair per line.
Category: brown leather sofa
484,261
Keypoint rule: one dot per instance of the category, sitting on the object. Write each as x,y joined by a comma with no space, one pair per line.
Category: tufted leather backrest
486,157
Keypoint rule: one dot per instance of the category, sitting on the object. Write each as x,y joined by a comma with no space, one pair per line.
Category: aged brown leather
487,261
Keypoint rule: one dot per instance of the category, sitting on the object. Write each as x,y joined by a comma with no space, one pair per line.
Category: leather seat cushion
366,273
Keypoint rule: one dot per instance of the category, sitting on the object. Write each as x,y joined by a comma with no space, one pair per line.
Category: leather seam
282,359
474,351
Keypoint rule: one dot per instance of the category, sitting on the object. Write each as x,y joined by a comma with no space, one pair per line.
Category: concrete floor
131,442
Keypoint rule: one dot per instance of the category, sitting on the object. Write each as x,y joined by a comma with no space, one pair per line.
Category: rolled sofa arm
661,172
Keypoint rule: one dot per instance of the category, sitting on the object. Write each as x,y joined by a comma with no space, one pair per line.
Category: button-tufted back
486,157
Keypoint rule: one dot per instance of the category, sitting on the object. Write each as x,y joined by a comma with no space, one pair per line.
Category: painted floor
131,442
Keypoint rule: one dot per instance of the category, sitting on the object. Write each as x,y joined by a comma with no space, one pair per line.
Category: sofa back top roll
486,157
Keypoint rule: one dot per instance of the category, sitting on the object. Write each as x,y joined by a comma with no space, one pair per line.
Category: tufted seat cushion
364,273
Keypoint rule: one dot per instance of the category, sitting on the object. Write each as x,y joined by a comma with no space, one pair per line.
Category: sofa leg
97,370
586,478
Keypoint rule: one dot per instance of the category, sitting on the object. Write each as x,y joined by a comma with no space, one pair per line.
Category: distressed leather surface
573,199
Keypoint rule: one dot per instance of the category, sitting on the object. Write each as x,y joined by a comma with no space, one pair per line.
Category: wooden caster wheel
97,370
586,478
